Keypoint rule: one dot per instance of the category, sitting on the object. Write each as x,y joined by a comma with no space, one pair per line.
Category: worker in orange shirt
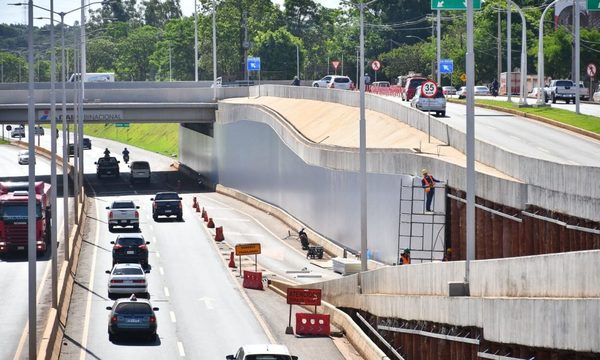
428,183
405,257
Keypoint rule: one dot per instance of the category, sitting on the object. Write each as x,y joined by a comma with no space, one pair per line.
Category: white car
462,92
127,279
18,132
140,170
449,90
262,351
482,91
123,213
596,96
340,82
23,157
436,104
324,82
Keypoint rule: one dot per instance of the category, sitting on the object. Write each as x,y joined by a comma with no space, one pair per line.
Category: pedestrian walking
428,183
405,257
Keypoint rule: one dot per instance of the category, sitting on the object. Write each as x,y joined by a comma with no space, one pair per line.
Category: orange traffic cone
210,223
195,203
231,261
219,234
197,208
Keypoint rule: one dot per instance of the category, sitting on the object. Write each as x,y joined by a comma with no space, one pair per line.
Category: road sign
457,4
593,5
429,88
247,249
253,64
463,77
375,65
335,64
122,125
591,69
446,66
8,128
297,296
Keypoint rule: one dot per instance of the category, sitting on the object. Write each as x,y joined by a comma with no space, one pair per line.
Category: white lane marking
208,302
161,270
180,348
157,254
542,149
151,228
492,127
516,137
153,238
166,289
88,307
173,318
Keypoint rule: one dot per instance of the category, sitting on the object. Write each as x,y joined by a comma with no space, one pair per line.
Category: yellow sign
247,249
463,77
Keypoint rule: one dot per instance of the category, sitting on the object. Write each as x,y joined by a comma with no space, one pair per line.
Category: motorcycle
126,158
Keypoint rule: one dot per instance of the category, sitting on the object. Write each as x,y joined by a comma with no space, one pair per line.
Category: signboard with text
102,116
446,66
247,249
456,4
253,64
297,296
593,5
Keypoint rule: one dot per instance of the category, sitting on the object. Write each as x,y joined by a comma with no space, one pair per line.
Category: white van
93,77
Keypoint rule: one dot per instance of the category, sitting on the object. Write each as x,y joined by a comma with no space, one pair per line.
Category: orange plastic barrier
313,324
253,280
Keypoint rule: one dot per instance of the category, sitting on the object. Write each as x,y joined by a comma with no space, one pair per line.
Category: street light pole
31,216
439,47
522,93
508,50
297,62
65,152
195,41
470,65
53,182
79,146
577,55
214,43
540,95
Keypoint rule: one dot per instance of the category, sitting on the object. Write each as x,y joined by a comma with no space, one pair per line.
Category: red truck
13,216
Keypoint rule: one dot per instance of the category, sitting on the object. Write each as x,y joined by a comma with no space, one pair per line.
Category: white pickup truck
123,213
561,90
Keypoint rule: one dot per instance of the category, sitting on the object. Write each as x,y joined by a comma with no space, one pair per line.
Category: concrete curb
535,117
359,340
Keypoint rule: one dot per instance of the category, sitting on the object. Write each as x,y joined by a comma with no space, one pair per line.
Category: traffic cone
205,216
203,213
210,223
197,208
219,234
195,203
232,261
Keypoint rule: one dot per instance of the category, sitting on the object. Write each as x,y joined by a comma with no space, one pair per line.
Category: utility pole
245,45
499,46
577,55
195,43
439,47
508,50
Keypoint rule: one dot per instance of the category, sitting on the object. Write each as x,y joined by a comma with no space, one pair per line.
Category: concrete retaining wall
564,188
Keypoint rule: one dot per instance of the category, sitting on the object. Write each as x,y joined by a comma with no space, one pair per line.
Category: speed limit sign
429,88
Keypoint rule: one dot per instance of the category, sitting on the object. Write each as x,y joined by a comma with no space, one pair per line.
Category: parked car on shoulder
132,316
436,104
127,279
123,213
448,90
262,351
323,82
340,82
130,248
411,86
167,204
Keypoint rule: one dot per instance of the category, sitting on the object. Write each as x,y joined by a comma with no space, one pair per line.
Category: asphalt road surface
524,136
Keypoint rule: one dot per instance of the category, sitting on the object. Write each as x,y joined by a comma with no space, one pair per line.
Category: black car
132,316
167,204
130,248
87,144
107,166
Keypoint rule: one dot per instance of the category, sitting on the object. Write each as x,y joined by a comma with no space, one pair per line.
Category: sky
10,14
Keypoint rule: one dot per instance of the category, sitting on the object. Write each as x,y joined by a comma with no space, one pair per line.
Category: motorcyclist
125,155
495,87
296,81
106,152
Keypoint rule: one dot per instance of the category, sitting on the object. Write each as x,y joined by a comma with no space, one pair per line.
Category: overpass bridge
117,102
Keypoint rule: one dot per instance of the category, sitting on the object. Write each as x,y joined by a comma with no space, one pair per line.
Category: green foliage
160,138
134,51
100,55
11,65
277,51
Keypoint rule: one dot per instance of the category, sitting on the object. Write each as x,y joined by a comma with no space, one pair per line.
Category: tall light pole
439,47
214,43
522,93
363,144
195,41
170,69
79,146
470,67
576,21
540,96
53,182
297,62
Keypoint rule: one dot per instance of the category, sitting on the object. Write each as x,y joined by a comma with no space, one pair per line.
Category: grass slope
159,138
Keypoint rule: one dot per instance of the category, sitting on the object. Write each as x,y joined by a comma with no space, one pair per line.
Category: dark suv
108,166
87,144
132,316
130,248
167,204
411,87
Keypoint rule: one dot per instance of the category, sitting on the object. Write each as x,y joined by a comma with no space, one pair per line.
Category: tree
13,67
133,54
178,36
100,55
277,51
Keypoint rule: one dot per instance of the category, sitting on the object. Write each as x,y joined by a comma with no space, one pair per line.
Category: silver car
24,158
127,279
596,96
435,104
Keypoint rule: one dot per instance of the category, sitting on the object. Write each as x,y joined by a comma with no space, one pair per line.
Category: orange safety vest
428,183
404,260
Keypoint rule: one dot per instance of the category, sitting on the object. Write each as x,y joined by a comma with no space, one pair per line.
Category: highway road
14,268
524,136
586,108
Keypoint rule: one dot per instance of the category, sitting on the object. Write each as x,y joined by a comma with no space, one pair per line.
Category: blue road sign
253,64
446,66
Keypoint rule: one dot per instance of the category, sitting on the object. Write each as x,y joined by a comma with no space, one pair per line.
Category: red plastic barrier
210,224
219,234
312,324
253,280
